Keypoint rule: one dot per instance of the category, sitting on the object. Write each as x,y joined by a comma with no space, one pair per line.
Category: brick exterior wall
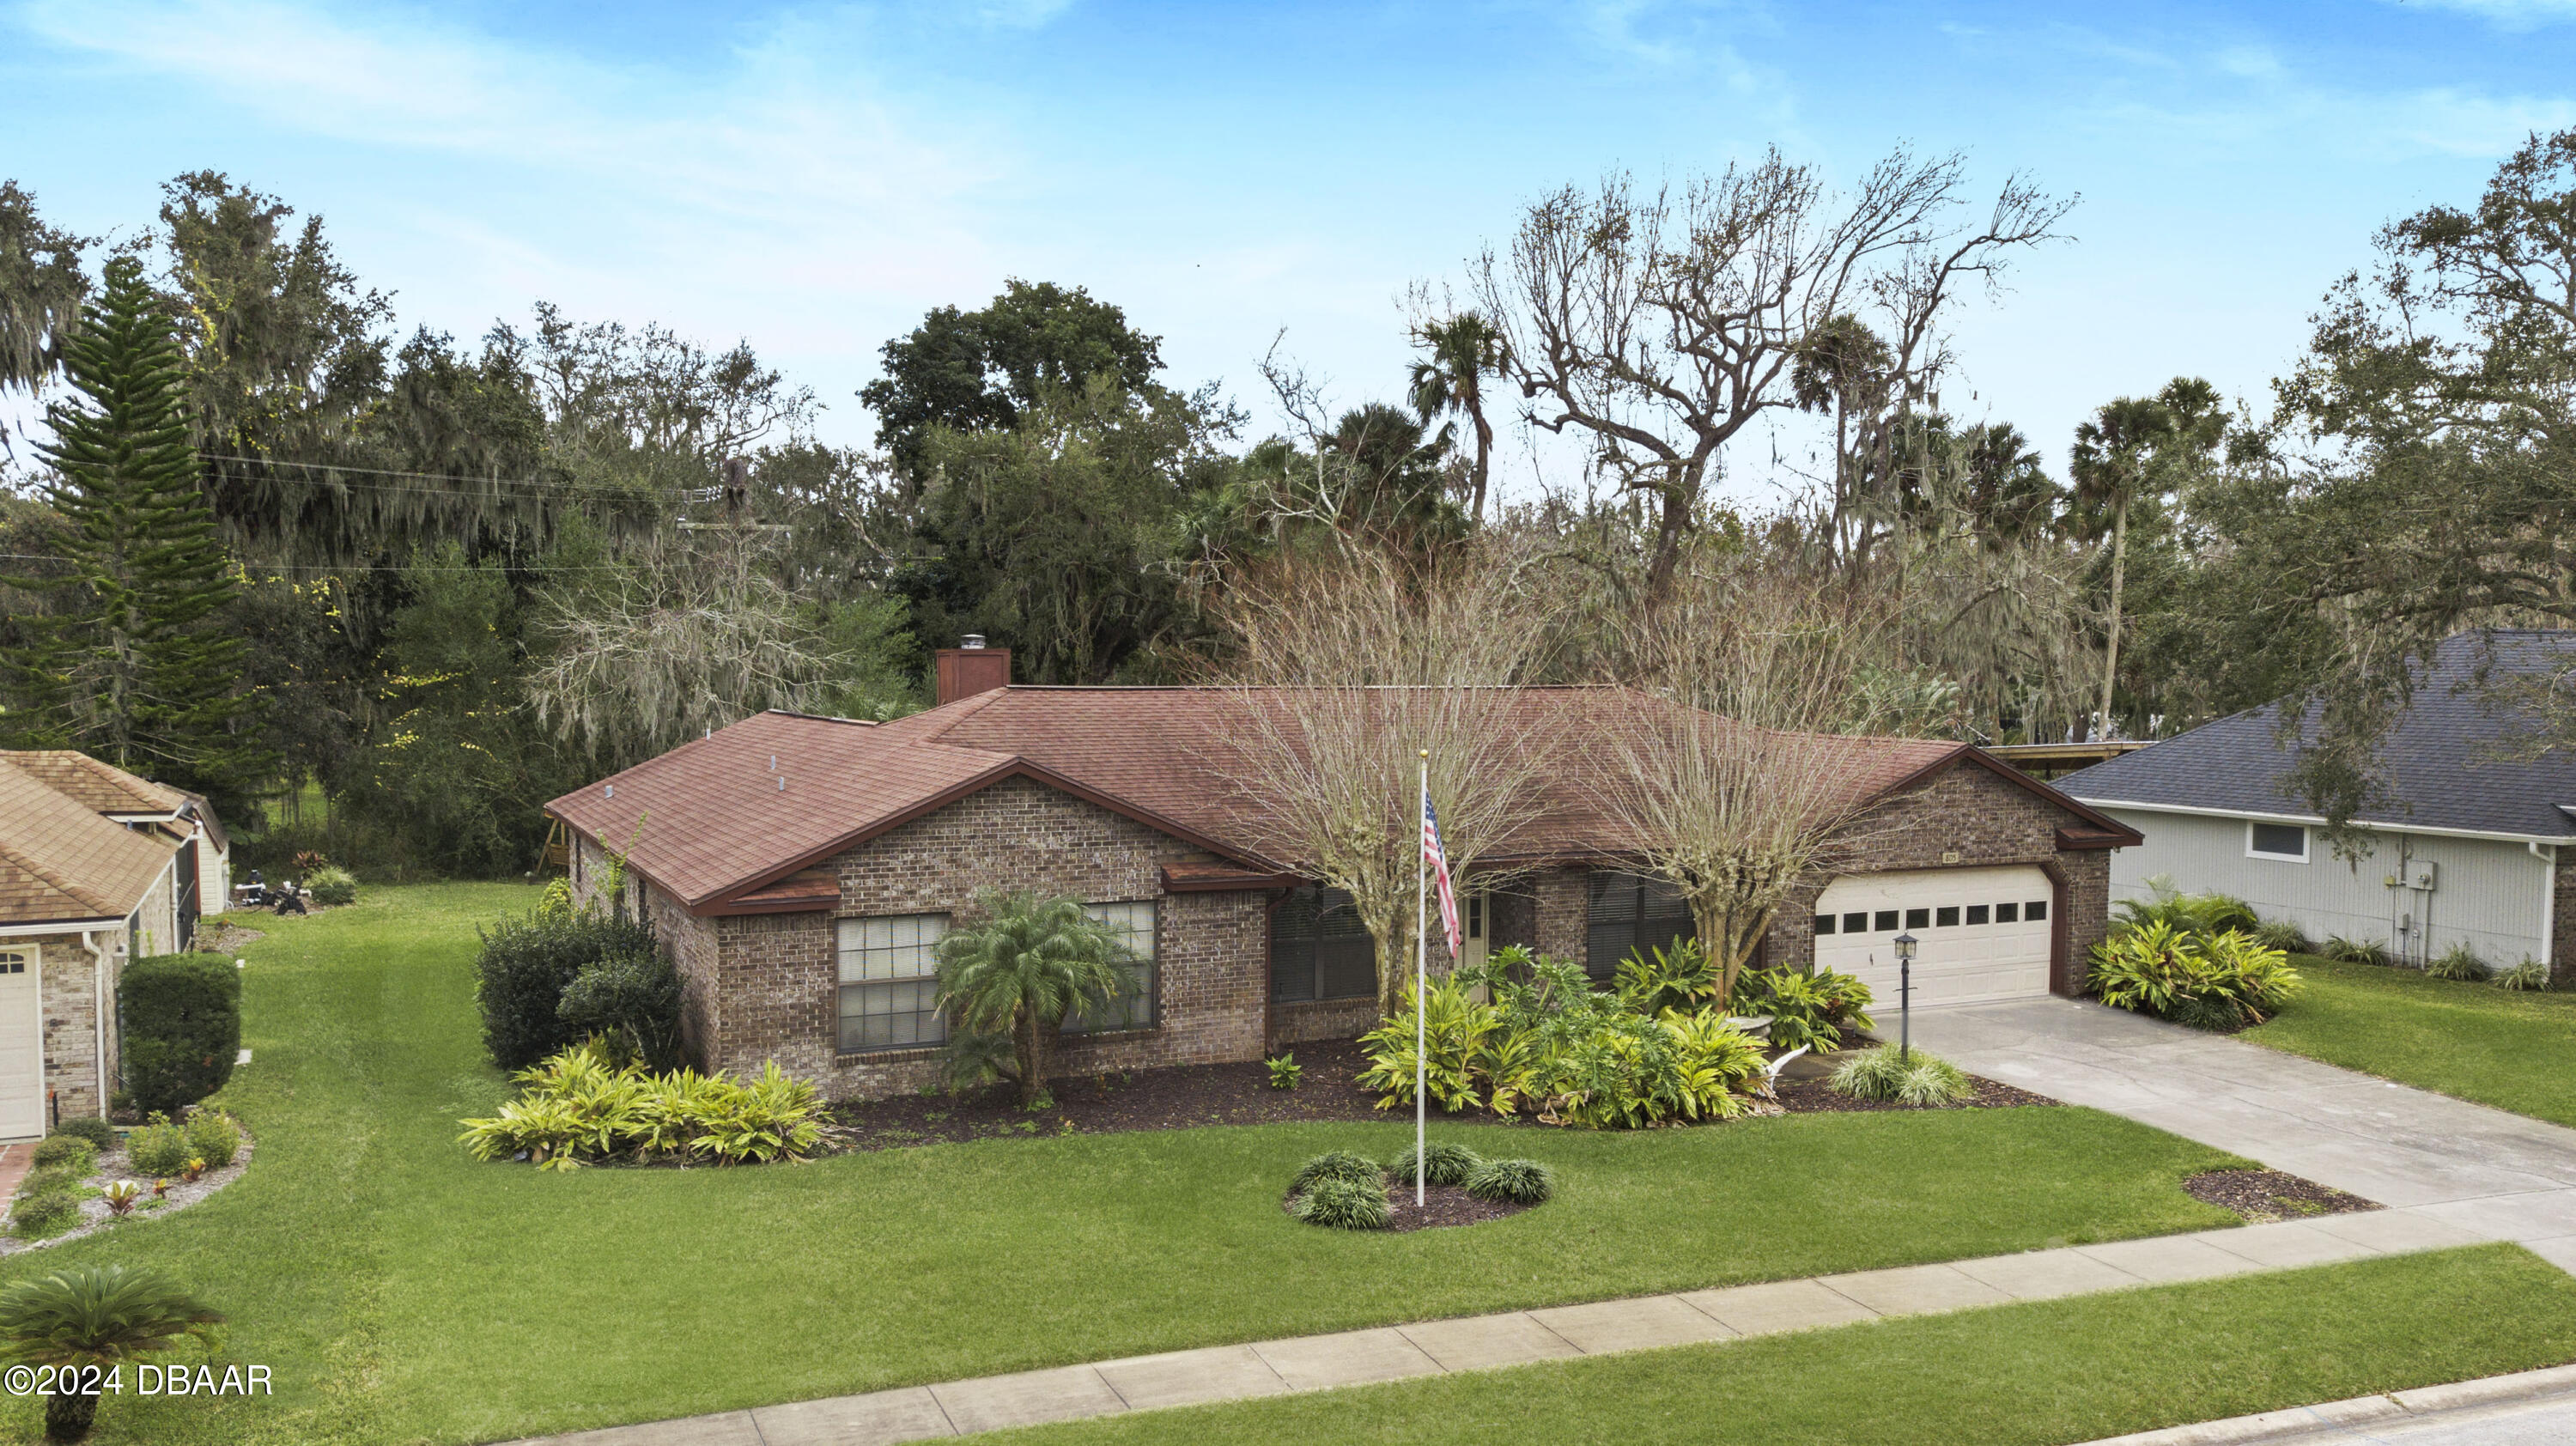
70,1006
2562,932
1562,913
1969,818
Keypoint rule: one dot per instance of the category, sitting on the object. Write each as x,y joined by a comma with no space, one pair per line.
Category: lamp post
1905,946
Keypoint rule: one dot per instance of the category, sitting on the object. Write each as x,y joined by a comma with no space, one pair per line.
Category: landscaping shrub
1285,1071
1443,1165
1343,1204
1513,1182
1911,1078
332,885
575,1107
159,1148
213,1136
1334,1165
633,998
100,1134
64,1150
2354,951
1683,978
2529,975
2225,982
2459,962
33,1216
1552,1045
1817,1010
526,965
182,1016
2205,914
2283,935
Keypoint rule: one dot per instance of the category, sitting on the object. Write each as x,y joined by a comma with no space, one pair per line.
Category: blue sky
813,178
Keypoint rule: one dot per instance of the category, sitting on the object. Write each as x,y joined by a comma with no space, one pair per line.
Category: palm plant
1028,964
102,1316
1459,353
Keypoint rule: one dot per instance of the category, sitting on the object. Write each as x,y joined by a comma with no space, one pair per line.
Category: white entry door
1983,934
22,1059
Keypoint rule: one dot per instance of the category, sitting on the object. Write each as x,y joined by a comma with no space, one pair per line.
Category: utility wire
257,568
448,477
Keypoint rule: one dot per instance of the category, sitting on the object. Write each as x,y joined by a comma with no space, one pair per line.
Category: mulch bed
1185,1096
1442,1205
2261,1196
1811,1096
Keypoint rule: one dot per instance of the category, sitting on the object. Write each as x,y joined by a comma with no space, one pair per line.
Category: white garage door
22,1084
1983,933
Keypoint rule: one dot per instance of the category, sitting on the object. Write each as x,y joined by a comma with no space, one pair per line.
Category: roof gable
2440,759
62,862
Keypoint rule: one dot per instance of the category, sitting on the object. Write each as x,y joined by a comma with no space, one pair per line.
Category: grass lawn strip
2470,1041
400,1291
2016,1375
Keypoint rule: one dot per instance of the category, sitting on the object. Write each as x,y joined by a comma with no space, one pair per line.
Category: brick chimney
971,668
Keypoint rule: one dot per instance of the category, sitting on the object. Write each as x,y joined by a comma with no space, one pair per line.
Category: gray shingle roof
2440,759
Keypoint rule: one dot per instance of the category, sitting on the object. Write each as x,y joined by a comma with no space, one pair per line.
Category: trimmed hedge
527,964
182,1022
633,999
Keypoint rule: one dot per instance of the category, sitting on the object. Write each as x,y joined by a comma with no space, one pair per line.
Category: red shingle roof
716,826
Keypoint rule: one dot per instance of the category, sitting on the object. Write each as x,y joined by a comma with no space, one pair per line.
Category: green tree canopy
981,370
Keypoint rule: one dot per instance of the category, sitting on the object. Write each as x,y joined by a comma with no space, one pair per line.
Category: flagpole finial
1426,752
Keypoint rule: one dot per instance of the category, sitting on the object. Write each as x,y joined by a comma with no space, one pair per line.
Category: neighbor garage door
1983,933
22,1083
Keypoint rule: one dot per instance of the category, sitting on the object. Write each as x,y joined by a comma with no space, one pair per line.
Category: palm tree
103,1316
1028,964
2137,450
1462,350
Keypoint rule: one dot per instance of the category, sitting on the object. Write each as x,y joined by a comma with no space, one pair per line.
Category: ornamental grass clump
1441,1165
1905,1077
1342,1204
2459,963
2528,976
1334,1165
1512,1182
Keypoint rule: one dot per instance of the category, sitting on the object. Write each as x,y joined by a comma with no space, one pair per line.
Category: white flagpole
1421,973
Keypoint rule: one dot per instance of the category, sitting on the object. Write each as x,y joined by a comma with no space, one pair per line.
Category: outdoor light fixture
1906,944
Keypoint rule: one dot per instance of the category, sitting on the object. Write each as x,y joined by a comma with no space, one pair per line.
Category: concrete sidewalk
1390,1353
2497,1175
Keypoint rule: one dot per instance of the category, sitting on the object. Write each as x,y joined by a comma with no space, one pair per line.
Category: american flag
1438,858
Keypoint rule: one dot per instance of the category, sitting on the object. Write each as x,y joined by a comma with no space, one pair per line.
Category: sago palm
104,1316
1023,968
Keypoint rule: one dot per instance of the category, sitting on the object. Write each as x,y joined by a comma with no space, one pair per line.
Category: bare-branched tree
1352,666
1659,326
1733,774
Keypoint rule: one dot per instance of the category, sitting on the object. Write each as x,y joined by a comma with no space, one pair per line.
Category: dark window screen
1631,915
1824,923
1318,949
1918,918
2035,910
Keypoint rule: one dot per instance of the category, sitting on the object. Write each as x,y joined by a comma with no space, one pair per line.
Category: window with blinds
1632,914
1318,949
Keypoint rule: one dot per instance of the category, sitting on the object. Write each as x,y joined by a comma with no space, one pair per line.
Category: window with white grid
890,983
1134,1007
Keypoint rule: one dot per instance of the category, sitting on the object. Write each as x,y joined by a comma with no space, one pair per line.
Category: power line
327,568
448,477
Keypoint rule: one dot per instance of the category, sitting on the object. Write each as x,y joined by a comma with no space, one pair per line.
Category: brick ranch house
801,869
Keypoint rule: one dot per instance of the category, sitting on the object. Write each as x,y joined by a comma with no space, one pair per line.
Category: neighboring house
120,795
802,870
2471,847
96,867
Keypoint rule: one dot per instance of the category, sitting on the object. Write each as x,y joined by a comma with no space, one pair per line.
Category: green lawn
2017,1375
401,1292
2474,1041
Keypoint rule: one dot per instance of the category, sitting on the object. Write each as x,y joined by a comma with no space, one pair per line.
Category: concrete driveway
2496,1175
